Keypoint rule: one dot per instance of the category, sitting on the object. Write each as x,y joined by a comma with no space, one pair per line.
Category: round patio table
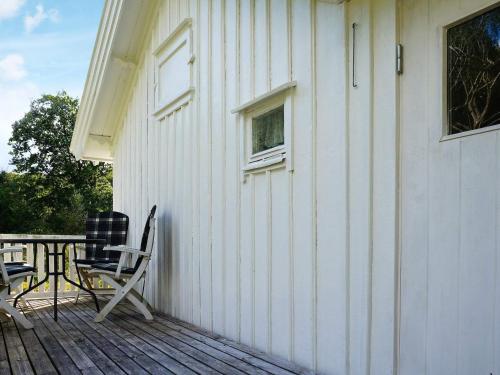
55,253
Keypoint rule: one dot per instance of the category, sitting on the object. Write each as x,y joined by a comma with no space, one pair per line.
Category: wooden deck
124,344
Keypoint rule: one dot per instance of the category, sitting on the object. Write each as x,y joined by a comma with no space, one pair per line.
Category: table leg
32,287
81,284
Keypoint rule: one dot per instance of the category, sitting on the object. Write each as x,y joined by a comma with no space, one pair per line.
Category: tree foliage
474,72
50,191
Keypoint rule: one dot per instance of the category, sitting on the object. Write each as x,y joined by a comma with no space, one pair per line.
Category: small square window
473,73
268,130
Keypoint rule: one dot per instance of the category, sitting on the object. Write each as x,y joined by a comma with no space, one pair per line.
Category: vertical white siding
264,261
449,249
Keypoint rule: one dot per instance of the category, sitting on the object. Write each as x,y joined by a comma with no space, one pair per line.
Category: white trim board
254,102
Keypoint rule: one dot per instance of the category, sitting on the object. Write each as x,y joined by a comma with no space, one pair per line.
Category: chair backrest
111,226
148,236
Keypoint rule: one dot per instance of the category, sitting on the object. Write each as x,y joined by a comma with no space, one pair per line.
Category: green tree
474,73
48,177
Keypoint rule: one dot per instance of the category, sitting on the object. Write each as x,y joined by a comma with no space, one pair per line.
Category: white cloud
14,103
10,8
31,22
12,68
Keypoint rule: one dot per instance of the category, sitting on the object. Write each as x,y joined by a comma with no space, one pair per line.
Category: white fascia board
99,61
120,24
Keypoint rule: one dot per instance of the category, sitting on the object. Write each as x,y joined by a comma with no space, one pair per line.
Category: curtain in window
268,130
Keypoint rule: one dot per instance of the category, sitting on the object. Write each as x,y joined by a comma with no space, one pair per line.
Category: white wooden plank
218,180
280,264
163,222
232,173
331,191
205,169
246,263
247,196
261,43
183,9
171,209
444,244
385,190
178,217
262,250
477,255
278,42
173,14
302,200
246,51
194,6
186,205
414,199
360,193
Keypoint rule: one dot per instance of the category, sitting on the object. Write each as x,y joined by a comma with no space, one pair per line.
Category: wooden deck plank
274,360
95,353
18,358
189,361
34,347
126,363
131,351
193,352
125,343
59,358
72,349
211,340
4,360
145,346
220,355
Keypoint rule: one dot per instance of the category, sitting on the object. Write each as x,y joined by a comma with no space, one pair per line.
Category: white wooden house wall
301,264
373,248
450,298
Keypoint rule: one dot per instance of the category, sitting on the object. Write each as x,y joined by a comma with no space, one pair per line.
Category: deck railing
64,288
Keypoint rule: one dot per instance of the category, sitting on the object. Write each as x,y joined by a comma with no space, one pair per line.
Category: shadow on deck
123,344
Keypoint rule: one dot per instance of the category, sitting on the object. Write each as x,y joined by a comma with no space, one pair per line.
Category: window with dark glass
473,73
268,130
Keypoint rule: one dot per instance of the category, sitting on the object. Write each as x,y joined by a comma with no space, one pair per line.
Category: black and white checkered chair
124,275
111,226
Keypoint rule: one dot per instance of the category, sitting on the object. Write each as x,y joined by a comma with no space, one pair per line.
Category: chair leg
84,278
119,295
15,314
142,300
141,306
107,309
122,291
77,296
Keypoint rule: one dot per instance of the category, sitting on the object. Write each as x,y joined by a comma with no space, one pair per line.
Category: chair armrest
124,249
5,250
12,249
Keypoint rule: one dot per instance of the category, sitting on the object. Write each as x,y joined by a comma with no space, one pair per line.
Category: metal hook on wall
354,81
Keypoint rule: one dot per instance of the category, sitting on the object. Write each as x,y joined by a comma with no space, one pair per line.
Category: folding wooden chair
12,275
123,278
111,226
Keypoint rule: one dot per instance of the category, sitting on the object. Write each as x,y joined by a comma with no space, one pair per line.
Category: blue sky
45,47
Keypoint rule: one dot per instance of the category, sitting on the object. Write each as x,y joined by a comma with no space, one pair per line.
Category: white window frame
275,157
277,153
182,35
445,124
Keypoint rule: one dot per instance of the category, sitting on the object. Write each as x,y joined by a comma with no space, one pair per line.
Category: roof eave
116,50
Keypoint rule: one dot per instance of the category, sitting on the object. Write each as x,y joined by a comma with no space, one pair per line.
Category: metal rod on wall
354,82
